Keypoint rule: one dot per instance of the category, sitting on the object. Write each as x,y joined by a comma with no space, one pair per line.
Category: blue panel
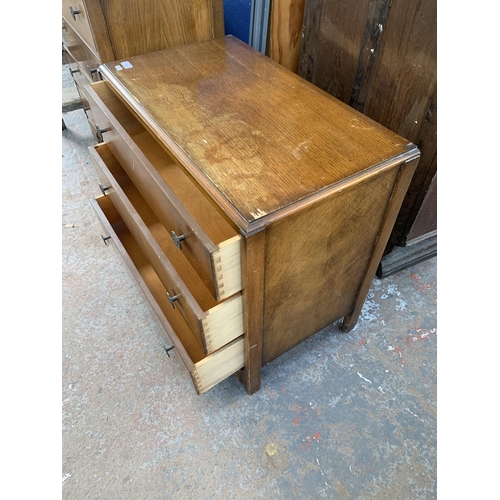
237,18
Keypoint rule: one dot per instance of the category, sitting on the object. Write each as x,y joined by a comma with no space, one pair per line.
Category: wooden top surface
258,138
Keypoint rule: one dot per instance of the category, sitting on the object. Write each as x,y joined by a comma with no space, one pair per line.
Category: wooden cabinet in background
380,57
252,207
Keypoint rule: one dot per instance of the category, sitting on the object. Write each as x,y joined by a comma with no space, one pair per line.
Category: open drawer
210,243
213,323
206,370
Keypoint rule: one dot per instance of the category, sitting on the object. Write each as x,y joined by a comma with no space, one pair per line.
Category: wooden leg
253,294
400,188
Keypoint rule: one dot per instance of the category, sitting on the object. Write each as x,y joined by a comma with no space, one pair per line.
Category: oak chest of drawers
252,208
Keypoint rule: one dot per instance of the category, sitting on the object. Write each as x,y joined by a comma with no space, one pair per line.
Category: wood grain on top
249,131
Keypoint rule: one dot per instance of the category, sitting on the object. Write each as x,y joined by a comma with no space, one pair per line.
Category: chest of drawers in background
251,207
95,32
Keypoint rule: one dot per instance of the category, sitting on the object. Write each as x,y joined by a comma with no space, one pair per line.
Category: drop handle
105,239
73,12
104,189
73,71
173,299
177,239
100,131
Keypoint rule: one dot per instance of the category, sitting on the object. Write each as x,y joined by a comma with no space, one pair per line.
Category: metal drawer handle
168,349
72,71
104,189
100,131
177,239
105,238
172,299
73,12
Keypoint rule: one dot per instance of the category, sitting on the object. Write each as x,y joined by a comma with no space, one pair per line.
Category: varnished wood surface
138,27
81,23
253,294
257,137
316,260
420,184
100,30
285,32
400,186
425,221
176,201
380,57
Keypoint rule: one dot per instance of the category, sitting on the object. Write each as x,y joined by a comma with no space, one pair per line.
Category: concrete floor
341,416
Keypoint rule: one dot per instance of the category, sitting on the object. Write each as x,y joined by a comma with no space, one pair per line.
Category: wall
237,18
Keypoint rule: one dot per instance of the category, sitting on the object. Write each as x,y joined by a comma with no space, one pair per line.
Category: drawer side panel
219,366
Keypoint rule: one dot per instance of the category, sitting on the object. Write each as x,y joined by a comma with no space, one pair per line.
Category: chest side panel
315,261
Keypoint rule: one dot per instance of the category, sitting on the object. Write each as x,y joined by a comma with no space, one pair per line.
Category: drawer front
80,81
75,14
206,370
87,61
214,324
86,107
148,165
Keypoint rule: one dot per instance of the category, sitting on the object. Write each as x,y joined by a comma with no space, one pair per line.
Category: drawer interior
186,272
153,283
206,370
206,214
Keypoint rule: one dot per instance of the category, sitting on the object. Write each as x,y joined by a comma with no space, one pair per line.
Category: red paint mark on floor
283,390
422,334
362,342
296,421
309,439
400,352
422,288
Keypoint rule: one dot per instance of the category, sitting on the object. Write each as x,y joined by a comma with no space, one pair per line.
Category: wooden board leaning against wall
380,57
